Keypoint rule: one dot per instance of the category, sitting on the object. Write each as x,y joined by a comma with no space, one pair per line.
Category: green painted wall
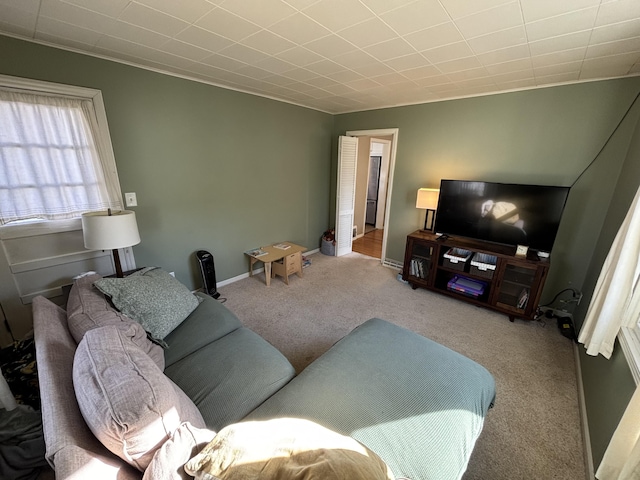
212,168
608,384
545,136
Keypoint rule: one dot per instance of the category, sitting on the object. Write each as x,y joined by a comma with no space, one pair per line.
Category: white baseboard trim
237,278
588,454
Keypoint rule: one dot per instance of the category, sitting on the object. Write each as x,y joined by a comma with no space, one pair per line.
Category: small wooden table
291,261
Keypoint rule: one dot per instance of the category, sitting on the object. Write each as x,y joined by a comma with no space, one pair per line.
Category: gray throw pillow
152,298
87,308
131,407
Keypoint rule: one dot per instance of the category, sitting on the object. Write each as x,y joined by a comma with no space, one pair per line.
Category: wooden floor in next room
370,243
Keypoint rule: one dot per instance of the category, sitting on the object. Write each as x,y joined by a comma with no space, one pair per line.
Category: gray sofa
417,404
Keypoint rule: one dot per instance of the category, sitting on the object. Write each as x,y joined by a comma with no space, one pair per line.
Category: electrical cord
574,292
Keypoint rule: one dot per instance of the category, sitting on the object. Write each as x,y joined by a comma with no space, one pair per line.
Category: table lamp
428,200
106,230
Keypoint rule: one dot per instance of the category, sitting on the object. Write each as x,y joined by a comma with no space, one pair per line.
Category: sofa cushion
87,308
168,462
151,297
207,323
230,377
125,399
286,449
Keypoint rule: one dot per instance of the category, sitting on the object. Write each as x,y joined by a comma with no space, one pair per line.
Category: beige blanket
285,449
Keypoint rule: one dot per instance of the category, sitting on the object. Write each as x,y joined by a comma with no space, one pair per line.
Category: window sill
630,342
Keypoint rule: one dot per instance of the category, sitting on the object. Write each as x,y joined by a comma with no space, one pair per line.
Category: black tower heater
208,271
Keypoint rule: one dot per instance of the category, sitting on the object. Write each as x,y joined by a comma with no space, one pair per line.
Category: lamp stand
116,261
429,218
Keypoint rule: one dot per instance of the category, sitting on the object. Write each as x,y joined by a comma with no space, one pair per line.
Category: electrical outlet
130,200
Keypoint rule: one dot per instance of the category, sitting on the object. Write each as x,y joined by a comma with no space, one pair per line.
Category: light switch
130,199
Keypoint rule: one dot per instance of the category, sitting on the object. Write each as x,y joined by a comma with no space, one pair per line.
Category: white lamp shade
428,198
102,231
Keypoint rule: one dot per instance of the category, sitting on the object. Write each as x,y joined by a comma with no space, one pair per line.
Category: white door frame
393,132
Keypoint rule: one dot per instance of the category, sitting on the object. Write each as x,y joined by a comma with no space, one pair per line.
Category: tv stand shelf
513,288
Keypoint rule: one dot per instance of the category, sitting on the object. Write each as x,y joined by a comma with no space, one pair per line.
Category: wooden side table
291,261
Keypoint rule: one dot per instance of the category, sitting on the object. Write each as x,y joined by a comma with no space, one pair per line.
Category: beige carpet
533,432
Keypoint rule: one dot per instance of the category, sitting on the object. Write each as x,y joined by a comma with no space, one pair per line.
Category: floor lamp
427,199
106,230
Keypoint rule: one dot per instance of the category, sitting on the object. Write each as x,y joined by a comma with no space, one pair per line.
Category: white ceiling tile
355,59
628,45
561,68
300,4
462,8
635,69
382,6
324,67
372,70
563,42
367,33
75,15
363,84
390,49
479,76
267,42
112,8
534,10
299,56
557,79
279,80
133,33
243,53
448,52
416,16
300,74
345,76
504,55
340,89
228,25
514,76
561,25
148,18
56,28
274,65
23,15
392,78
330,46
433,37
618,11
117,45
458,65
253,72
261,12
299,29
509,67
338,14
421,72
616,31
413,60
16,28
203,38
433,80
188,11
186,50
564,56
67,42
222,62
490,21
498,40
321,82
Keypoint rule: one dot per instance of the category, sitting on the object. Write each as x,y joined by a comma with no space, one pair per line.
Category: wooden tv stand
513,288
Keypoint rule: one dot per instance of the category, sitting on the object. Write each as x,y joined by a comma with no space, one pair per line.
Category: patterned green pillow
152,298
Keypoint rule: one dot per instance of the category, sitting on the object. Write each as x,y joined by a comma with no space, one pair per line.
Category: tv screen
503,213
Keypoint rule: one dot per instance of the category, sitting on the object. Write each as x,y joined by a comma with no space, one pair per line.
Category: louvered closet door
346,193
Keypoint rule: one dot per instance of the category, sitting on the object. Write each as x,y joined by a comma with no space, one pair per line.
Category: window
56,160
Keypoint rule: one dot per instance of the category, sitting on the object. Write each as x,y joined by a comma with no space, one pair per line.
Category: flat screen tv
504,213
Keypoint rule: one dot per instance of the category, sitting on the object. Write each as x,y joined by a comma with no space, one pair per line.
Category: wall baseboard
586,439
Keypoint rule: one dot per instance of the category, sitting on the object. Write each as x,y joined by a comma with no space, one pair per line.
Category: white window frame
103,139
630,342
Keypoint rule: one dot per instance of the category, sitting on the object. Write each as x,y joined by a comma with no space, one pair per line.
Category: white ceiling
348,55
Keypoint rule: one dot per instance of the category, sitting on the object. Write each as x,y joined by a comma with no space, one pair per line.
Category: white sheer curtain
616,304
52,161
616,298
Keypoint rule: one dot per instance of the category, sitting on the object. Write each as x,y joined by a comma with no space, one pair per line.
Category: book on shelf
522,300
282,246
256,252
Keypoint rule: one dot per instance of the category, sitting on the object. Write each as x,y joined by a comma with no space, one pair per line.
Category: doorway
370,236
